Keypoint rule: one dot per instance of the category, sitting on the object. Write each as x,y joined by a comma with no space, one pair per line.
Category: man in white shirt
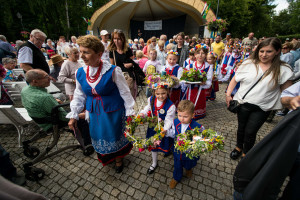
61,46
104,39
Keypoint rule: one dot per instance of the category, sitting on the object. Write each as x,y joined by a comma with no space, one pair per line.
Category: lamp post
20,17
217,10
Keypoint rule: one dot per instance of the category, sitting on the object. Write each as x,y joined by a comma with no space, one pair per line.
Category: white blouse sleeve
171,131
180,71
78,102
146,108
209,76
124,91
170,117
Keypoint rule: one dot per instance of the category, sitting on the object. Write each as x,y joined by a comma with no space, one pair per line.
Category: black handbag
139,74
234,105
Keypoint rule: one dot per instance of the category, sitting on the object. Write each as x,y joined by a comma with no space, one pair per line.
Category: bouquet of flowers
193,143
193,76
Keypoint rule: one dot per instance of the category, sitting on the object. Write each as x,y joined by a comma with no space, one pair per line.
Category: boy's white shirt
170,113
171,131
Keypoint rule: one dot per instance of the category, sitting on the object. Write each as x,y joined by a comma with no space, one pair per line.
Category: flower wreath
142,144
203,142
155,81
173,52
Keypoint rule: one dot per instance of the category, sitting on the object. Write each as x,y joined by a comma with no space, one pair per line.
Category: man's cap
104,32
228,34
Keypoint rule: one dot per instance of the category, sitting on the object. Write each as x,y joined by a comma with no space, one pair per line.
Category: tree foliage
47,15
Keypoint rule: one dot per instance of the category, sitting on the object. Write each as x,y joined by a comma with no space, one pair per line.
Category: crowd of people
103,90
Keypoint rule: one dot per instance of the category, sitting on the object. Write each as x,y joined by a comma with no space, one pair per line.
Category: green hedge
283,37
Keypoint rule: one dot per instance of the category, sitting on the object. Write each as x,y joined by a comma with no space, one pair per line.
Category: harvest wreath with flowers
194,143
142,144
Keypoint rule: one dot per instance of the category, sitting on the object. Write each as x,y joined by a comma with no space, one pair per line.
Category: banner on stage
153,25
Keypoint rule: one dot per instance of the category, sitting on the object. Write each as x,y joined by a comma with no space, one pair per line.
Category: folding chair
35,174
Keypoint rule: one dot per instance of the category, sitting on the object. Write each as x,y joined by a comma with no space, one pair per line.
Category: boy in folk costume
180,125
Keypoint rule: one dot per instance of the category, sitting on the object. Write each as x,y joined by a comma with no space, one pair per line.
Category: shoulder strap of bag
253,86
114,58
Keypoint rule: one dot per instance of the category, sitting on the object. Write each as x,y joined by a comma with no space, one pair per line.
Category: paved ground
71,175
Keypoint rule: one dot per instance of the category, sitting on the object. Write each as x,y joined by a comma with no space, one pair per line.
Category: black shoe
235,154
151,169
119,169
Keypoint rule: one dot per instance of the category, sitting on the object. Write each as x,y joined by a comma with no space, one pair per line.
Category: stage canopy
151,17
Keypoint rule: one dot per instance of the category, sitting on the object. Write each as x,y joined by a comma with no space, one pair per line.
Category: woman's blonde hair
276,62
91,42
112,46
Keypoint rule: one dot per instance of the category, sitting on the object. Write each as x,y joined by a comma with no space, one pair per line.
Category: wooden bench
16,116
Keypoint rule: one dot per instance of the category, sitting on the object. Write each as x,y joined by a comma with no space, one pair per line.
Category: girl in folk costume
246,52
211,59
231,75
160,105
197,92
188,63
174,69
236,55
152,66
225,60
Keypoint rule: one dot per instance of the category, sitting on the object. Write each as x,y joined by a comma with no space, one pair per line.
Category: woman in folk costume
160,105
197,92
174,69
101,88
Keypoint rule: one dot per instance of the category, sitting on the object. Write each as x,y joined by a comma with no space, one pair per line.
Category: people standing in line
183,50
250,41
121,55
56,61
218,47
30,55
50,49
101,89
160,105
6,45
73,42
104,39
161,53
184,122
68,69
265,69
61,46
286,55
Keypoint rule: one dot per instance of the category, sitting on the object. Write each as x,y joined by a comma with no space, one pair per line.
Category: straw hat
55,59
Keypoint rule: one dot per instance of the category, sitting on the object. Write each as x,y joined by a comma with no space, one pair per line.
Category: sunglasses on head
118,31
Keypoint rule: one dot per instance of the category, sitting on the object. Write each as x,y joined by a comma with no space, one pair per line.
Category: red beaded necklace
199,68
94,78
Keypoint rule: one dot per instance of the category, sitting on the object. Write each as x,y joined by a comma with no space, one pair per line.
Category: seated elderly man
39,103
